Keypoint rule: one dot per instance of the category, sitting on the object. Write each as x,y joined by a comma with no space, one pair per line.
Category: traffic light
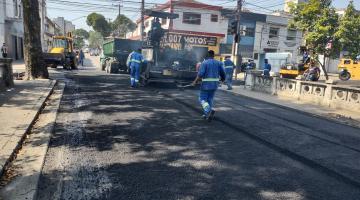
233,27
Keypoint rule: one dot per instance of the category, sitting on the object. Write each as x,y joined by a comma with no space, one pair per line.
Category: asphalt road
113,142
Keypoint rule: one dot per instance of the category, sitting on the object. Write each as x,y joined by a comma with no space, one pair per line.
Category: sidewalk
350,118
19,108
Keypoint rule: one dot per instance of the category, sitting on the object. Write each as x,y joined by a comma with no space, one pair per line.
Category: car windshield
60,43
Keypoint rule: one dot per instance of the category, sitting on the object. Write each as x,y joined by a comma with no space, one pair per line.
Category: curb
32,157
40,105
290,108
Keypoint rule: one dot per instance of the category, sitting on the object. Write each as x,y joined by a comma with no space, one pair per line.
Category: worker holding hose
210,72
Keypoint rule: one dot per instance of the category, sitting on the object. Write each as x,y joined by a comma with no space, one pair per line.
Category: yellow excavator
62,53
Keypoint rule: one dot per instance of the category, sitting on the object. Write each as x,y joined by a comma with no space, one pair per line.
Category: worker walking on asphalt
81,57
135,61
229,71
210,72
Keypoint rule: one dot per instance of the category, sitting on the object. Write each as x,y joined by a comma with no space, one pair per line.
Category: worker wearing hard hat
210,72
135,60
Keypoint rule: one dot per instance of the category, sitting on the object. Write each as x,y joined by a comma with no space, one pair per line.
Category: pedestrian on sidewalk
4,50
210,72
229,71
267,68
135,61
81,57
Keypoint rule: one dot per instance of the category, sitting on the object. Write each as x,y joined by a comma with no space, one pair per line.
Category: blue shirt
229,66
210,71
267,66
136,59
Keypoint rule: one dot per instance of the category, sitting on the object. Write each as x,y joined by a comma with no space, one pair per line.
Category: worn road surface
113,142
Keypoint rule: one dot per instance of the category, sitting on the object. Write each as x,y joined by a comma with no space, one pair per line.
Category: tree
99,24
34,61
80,35
122,25
349,31
319,22
95,39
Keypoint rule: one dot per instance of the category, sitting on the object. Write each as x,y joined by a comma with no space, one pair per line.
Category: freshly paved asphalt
113,142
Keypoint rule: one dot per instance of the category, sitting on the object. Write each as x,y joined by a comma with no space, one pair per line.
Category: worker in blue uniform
135,61
267,68
210,72
229,71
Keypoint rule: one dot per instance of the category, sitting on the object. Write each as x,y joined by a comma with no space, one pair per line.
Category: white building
201,25
274,36
12,28
65,26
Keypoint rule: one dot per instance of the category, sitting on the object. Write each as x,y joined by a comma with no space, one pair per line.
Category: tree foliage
319,21
95,39
99,24
122,25
349,31
80,35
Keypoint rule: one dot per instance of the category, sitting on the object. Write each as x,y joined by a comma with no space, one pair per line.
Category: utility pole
142,28
236,43
120,7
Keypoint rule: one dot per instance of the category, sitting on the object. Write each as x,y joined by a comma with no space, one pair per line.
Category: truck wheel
74,63
344,76
103,66
114,68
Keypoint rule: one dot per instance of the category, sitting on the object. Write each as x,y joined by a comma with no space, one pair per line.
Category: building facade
274,36
200,25
51,29
11,27
65,25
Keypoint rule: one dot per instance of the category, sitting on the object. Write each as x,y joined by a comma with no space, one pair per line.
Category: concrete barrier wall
328,95
6,73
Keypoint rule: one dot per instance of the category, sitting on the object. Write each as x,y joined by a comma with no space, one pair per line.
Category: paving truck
115,53
166,64
62,53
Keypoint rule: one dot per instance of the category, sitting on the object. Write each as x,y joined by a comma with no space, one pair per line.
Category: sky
77,10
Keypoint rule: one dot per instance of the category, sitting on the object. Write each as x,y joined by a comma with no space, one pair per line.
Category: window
163,21
274,33
347,62
291,35
256,56
250,32
191,18
214,18
146,24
